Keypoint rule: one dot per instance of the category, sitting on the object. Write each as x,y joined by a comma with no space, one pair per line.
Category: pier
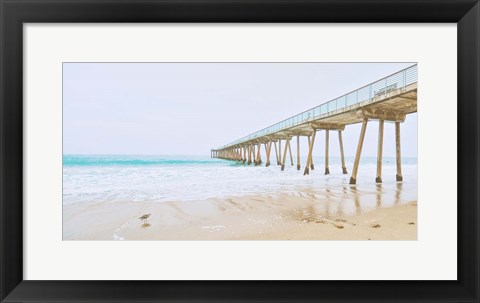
389,99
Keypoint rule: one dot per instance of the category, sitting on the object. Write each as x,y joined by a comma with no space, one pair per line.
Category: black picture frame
14,13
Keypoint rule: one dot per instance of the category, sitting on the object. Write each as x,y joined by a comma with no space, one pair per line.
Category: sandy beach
348,213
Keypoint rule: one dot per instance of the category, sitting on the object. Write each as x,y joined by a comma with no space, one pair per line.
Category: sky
190,108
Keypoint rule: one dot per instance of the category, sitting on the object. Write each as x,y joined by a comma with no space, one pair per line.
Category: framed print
248,151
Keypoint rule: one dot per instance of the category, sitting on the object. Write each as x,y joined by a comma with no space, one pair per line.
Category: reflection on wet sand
356,195
356,199
379,195
334,204
356,211
398,192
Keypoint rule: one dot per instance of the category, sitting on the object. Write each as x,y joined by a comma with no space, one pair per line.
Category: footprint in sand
235,204
345,221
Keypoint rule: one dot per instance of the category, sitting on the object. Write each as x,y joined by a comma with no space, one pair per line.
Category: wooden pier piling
353,178
279,152
276,152
290,152
258,159
268,146
310,138
327,170
340,141
287,144
310,151
298,153
399,176
249,155
378,179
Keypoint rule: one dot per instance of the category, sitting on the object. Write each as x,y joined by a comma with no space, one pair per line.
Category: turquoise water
152,160
136,160
150,178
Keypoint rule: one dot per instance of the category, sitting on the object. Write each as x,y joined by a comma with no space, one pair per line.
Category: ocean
149,178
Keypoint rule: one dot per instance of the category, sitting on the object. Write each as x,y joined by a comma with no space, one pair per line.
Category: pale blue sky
189,108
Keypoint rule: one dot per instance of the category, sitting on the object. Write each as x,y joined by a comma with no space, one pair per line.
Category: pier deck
388,99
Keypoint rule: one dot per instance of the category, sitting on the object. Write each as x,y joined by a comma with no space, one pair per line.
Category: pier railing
371,91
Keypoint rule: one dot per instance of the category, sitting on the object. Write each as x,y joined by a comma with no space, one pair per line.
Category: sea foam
121,178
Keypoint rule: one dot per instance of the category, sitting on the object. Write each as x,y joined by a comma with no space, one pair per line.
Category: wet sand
374,212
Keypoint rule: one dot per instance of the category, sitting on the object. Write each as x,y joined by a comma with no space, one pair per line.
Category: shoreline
297,216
